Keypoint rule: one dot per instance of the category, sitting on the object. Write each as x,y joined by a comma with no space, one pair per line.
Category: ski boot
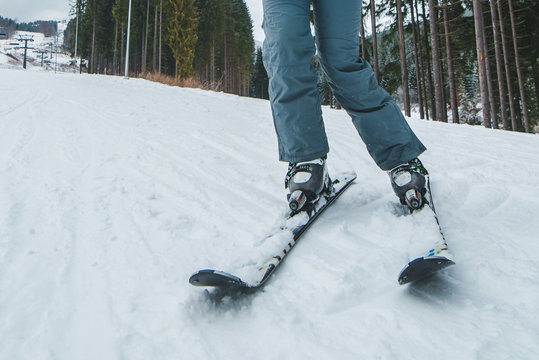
409,183
306,181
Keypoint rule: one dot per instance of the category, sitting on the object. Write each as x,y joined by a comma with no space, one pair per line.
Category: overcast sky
31,10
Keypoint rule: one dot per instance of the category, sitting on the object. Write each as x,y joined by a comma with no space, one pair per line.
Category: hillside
12,51
114,191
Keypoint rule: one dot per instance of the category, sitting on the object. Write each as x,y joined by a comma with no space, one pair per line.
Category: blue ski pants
288,50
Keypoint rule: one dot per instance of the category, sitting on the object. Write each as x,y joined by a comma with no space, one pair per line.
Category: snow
114,191
4,59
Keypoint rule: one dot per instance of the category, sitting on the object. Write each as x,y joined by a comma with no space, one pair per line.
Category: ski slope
114,191
54,58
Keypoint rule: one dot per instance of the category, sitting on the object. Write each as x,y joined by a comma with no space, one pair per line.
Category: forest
206,41
9,26
462,61
468,61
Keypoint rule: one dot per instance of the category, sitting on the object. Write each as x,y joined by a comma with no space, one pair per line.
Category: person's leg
376,116
295,103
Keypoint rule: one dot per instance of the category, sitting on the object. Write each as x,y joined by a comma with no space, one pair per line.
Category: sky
31,10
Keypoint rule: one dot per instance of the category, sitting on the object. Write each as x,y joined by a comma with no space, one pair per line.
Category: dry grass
13,57
173,81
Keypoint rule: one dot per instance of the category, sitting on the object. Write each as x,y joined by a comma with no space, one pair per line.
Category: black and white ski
435,259
226,281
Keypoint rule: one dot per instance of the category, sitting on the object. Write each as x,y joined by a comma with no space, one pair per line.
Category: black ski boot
306,181
409,183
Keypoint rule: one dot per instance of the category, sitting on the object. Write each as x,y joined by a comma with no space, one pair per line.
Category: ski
435,259
227,281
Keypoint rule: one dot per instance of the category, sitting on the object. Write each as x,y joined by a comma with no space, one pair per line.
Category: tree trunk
535,72
427,58
92,55
416,62
436,65
481,66
532,41
141,54
404,69
212,65
145,44
499,68
225,69
374,42
362,33
505,47
154,52
450,70
519,73
160,33
424,63
115,54
122,60
490,88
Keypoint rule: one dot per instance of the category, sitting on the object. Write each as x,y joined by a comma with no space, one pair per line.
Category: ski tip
215,278
422,268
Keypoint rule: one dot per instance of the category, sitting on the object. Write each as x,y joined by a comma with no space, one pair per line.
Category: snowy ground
50,45
114,191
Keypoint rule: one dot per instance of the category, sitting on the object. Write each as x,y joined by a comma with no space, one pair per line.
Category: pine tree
119,13
260,81
243,47
182,36
210,32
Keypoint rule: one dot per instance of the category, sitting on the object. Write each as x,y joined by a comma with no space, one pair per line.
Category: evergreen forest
208,41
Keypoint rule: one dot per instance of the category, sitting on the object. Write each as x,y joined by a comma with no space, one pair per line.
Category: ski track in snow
114,191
